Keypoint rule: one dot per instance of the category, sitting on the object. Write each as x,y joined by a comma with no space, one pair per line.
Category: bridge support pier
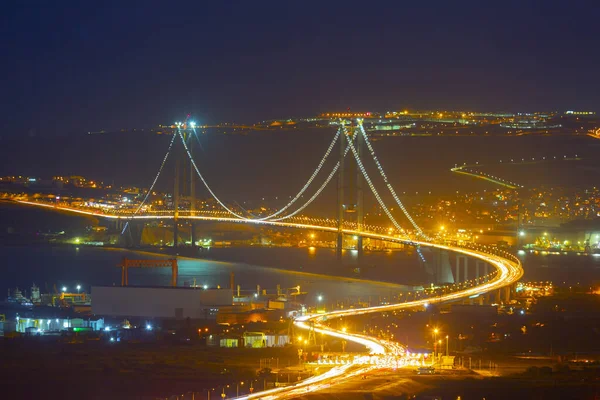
461,261
175,233
193,233
176,205
498,298
480,267
507,293
339,246
438,267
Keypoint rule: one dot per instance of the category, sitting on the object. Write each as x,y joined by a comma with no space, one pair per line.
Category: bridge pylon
340,198
180,187
359,193
176,205
192,197
355,203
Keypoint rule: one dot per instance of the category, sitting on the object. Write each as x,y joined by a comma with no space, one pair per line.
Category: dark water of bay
69,265
87,266
562,270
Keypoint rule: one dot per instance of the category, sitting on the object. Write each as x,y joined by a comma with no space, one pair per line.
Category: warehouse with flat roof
159,302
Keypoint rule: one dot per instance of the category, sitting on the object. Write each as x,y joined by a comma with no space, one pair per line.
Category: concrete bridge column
480,266
461,260
507,290
193,233
437,266
175,233
339,246
457,272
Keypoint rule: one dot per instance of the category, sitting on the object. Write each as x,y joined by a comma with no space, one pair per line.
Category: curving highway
508,271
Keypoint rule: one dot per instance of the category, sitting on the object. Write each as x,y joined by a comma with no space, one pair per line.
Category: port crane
129,263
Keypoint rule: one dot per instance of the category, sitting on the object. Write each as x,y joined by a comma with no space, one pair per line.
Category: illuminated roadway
509,271
484,176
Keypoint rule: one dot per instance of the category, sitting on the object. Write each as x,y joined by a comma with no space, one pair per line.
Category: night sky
106,65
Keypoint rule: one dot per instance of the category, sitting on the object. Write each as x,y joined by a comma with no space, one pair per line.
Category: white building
159,302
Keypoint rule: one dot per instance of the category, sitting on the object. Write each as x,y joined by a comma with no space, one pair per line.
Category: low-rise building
159,302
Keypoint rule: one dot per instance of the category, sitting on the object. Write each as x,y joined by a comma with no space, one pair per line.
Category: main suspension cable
316,171
387,183
317,193
187,150
162,165
375,193
296,197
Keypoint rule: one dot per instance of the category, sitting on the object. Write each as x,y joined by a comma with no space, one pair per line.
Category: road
509,270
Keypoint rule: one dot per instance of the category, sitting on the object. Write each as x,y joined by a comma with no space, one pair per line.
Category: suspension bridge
353,146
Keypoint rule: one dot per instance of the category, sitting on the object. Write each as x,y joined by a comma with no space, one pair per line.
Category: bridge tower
360,216
180,171
192,196
176,204
354,203
340,198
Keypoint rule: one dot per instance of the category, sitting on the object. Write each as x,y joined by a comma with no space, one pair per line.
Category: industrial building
49,326
159,302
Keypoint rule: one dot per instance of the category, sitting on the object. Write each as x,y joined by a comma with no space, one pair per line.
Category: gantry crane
128,263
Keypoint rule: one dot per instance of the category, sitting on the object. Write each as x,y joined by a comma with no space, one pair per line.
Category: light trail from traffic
509,271
386,353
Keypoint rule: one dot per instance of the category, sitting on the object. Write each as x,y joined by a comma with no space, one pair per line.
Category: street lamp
78,288
446,345
64,289
435,332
